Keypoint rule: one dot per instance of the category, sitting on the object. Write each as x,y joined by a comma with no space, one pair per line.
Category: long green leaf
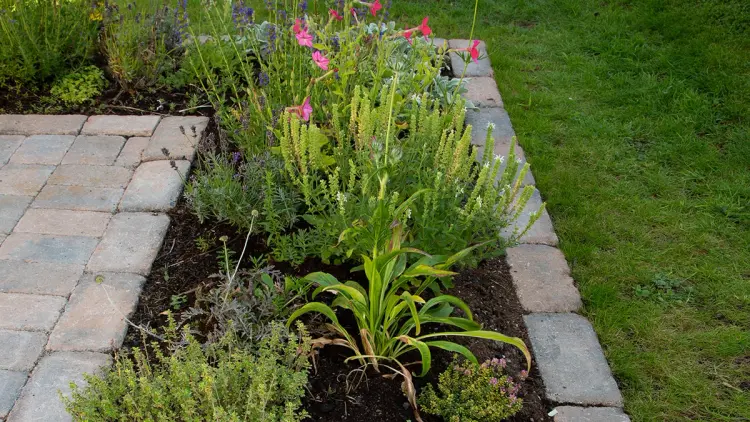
321,278
424,351
313,307
453,347
453,300
407,297
489,335
349,291
426,270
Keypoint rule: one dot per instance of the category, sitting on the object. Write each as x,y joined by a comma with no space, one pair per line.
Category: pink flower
304,110
375,6
473,51
334,14
493,381
424,28
320,60
297,26
304,38
524,374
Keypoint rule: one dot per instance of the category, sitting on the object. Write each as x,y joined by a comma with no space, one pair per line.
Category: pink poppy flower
375,6
304,38
304,110
297,26
334,14
424,28
320,60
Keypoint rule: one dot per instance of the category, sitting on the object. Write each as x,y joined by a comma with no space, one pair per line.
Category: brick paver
120,125
61,182
590,414
94,318
42,149
99,150
542,279
40,400
43,278
20,349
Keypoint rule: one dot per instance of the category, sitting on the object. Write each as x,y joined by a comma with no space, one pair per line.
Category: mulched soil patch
338,392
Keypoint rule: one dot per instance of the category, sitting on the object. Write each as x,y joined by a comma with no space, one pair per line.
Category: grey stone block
130,156
36,247
94,318
94,150
590,414
571,361
11,383
43,278
483,92
12,208
63,222
120,125
42,149
20,349
130,244
29,312
170,138
483,118
8,145
541,232
542,279
40,400
22,179
83,198
156,186
91,176
35,124
483,67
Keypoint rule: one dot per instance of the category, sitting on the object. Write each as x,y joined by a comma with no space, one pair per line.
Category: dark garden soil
337,391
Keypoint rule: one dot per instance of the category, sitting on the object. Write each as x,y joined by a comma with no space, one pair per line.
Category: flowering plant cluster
469,392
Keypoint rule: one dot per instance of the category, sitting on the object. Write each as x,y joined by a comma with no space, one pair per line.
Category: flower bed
339,208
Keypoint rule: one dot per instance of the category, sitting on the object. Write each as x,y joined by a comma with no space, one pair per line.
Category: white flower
486,165
500,158
341,198
408,213
490,125
479,201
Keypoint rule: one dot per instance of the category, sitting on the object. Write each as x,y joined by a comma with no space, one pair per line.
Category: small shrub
468,392
140,40
79,87
219,382
45,38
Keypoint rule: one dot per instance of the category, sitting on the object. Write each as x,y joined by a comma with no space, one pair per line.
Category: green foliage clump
44,38
468,392
79,87
219,381
140,41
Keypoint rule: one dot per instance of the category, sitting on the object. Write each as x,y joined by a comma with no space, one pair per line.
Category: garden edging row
565,347
82,218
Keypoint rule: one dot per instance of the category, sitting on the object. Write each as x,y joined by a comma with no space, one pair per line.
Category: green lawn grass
636,119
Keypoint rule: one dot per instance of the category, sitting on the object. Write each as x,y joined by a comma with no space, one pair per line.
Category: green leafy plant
218,381
141,39
45,38
469,392
79,87
391,312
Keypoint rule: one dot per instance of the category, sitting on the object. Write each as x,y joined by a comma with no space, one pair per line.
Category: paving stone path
564,345
82,202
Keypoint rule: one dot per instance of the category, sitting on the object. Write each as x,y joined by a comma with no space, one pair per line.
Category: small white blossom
341,198
408,213
500,158
486,165
490,125
479,201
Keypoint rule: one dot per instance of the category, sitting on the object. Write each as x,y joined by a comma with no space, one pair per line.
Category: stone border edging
565,347
82,218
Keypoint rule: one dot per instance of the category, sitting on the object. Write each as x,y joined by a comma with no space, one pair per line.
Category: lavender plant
141,40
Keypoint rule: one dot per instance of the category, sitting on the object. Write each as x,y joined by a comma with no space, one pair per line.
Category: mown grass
636,119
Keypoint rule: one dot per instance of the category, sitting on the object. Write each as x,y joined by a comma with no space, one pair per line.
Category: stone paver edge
563,411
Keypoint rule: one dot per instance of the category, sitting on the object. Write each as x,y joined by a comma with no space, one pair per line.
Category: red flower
334,14
473,51
375,6
407,35
423,28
